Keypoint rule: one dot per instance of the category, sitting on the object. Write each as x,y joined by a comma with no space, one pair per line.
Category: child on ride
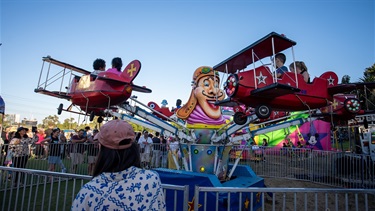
116,66
99,66
280,59
301,69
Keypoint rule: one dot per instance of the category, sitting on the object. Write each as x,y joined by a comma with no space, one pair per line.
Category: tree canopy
367,96
345,79
369,74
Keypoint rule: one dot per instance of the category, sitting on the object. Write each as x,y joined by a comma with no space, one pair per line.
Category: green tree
345,79
68,123
50,121
6,122
369,74
367,95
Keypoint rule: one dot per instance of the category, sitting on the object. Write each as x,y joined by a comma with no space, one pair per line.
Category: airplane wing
57,79
227,102
370,85
342,88
270,91
65,65
141,89
274,90
262,48
366,112
62,95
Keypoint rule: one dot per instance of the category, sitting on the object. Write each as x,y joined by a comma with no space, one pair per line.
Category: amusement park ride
257,95
90,93
260,89
345,107
161,112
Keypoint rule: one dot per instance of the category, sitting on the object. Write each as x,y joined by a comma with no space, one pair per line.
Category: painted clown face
207,92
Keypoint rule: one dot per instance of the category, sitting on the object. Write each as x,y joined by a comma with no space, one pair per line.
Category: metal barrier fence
45,190
288,198
36,192
336,169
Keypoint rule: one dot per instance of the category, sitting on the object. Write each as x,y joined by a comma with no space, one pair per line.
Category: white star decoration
261,78
330,80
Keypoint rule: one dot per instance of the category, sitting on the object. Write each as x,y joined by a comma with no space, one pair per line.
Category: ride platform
242,177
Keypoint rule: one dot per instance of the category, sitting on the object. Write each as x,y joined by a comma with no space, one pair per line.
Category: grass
38,194
43,196
33,163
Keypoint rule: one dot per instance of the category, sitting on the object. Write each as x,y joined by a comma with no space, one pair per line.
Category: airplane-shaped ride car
90,93
162,112
259,89
346,106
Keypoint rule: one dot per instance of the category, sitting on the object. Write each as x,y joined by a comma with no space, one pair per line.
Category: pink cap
113,132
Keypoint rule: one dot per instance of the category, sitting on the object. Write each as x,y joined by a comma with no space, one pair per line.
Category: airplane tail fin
131,71
331,77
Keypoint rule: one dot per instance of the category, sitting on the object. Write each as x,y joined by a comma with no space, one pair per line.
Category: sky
171,38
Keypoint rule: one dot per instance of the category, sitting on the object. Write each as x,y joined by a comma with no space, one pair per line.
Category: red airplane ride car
91,94
260,89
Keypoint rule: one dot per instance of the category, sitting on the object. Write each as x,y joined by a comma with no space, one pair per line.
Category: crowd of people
112,155
157,151
66,154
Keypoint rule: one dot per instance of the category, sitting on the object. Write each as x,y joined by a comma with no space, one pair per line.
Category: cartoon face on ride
313,139
201,108
207,91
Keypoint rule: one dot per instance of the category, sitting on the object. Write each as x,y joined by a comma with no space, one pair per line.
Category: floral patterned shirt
131,189
20,147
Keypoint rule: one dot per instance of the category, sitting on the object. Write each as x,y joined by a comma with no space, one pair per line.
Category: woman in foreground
118,181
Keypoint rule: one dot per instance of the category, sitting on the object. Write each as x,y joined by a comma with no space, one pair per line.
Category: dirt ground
321,201
288,183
